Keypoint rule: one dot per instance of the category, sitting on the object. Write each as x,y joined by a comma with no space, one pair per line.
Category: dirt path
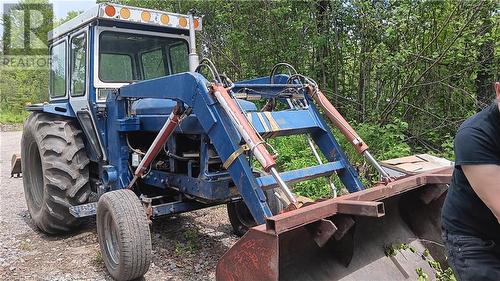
185,247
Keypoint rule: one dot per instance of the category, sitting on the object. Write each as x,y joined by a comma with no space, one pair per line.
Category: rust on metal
360,208
255,260
148,207
313,212
343,223
252,139
305,215
338,120
433,192
289,247
321,231
438,179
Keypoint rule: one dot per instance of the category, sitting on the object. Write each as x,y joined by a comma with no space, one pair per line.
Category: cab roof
125,14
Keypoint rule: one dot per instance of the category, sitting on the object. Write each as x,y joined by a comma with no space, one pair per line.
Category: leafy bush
12,117
295,153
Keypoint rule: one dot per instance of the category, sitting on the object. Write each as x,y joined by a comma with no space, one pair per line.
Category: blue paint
149,106
57,108
177,208
203,188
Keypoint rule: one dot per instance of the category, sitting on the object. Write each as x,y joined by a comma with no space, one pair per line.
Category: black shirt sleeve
474,147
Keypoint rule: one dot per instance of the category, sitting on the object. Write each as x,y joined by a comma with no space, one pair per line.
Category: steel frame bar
311,213
300,175
177,208
361,208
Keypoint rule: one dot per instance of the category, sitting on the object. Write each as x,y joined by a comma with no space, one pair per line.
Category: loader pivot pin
159,141
255,143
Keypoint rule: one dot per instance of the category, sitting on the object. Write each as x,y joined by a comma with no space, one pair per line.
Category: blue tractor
134,131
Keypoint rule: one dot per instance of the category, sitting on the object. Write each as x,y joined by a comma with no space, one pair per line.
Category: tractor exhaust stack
194,60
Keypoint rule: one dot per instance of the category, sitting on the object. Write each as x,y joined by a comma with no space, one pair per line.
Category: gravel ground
185,247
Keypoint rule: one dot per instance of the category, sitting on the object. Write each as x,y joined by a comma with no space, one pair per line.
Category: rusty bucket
387,232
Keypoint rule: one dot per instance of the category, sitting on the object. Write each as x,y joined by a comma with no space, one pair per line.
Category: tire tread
65,169
133,231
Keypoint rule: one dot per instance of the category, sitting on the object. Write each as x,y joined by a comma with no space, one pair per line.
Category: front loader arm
192,90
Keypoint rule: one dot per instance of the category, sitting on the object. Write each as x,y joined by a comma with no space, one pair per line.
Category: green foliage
26,245
422,276
427,63
97,260
189,244
387,141
12,117
19,87
295,153
405,73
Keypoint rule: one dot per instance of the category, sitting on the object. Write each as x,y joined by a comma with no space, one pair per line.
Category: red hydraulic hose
338,120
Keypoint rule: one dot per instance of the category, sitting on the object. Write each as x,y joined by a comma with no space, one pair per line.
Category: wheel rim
244,215
111,240
35,175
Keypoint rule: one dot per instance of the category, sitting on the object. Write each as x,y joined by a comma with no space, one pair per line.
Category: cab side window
78,65
179,58
58,70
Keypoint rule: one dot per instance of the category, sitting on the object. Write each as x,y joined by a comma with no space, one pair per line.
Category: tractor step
308,173
84,210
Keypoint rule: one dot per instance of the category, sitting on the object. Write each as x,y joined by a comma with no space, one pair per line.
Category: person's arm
484,179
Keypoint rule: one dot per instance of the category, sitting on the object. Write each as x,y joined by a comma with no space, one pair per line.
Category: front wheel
240,217
124,236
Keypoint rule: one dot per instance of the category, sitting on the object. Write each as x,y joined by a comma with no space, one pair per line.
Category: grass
13,117
97,259
191,243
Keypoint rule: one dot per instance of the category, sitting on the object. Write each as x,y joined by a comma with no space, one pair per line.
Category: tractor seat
151,106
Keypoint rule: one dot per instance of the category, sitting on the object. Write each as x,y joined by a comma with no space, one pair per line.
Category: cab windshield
127,57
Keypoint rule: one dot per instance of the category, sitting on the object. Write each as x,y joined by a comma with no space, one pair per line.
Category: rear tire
240,217
124,236
55,171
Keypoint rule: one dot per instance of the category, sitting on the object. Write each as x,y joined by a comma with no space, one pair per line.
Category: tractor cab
110,46
107,47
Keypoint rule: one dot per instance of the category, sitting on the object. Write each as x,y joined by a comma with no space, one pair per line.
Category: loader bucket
387,232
